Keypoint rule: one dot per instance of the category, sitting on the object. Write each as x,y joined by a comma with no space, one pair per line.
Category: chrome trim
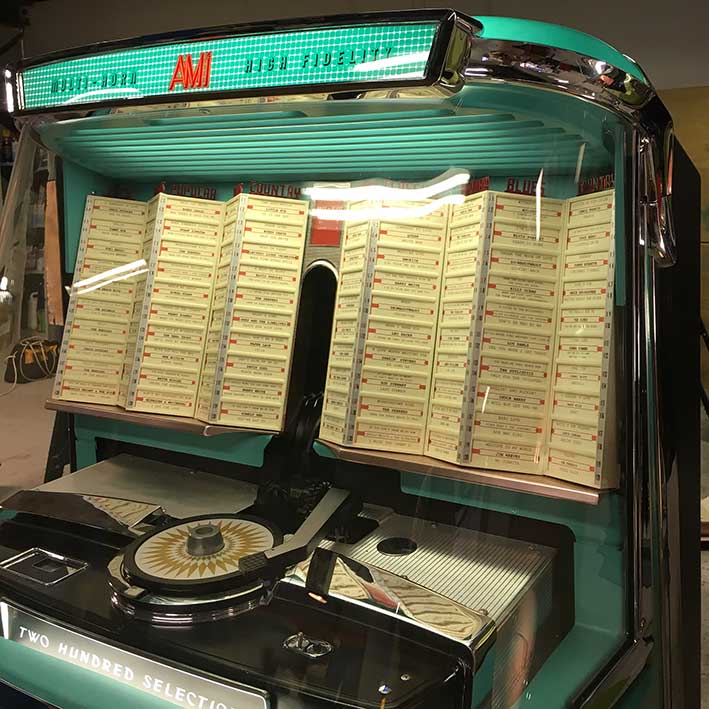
320,263
662,629
558,69
74,565
139,603
394,596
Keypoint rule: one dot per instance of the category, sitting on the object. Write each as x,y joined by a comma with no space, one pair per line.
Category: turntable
297,597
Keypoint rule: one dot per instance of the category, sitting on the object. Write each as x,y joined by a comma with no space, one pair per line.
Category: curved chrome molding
610,87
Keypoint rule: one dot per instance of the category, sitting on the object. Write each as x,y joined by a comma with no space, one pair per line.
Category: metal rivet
405,677
384,689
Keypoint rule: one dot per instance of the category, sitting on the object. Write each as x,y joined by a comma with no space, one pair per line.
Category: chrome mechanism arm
656,158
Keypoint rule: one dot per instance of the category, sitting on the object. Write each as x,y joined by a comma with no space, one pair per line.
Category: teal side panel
599,578
78,184
533,32
484,679
323,451
64,685
237,447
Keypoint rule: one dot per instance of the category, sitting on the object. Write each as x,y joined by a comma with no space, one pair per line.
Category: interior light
5,620
9,98
3,283
392,61
447,181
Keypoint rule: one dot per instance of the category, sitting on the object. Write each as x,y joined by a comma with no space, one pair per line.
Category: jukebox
378,377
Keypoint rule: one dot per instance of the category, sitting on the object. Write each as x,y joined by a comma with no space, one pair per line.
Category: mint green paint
598,576
579,655
66,686
237,447
506,140
484,679
533,32
79,183
323,451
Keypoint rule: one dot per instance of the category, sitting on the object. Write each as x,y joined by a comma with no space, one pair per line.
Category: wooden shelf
173,423
531,484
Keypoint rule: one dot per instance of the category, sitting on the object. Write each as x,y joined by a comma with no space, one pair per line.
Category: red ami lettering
188,75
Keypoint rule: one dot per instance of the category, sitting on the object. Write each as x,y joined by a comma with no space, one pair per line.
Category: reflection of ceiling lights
538,192
114,92
391,61
354,215
447,181
119,273
3,283
103,284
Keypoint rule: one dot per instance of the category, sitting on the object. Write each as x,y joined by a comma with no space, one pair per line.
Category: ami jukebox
378,377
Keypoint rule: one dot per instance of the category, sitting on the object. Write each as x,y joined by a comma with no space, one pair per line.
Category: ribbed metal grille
480,571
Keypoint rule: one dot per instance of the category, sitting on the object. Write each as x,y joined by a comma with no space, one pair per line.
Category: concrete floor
25,430
26,427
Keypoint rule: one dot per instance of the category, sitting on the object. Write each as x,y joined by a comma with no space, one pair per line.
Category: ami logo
190,76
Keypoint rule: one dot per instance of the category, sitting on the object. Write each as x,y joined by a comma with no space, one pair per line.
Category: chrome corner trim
656,154
561,70
611,88
460,45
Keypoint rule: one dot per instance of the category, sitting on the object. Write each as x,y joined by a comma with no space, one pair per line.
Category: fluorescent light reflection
579,162
114,92
119,273
447,181
538,192
487,393
9,99
354,215
102,284
392,61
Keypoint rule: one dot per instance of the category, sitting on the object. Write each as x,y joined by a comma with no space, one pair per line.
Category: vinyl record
199,554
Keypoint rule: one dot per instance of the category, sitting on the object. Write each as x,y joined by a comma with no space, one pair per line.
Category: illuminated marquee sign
347,56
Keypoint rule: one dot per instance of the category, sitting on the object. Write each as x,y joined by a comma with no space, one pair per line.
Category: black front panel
249,648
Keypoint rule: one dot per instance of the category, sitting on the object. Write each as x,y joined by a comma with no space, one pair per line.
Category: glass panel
387,334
